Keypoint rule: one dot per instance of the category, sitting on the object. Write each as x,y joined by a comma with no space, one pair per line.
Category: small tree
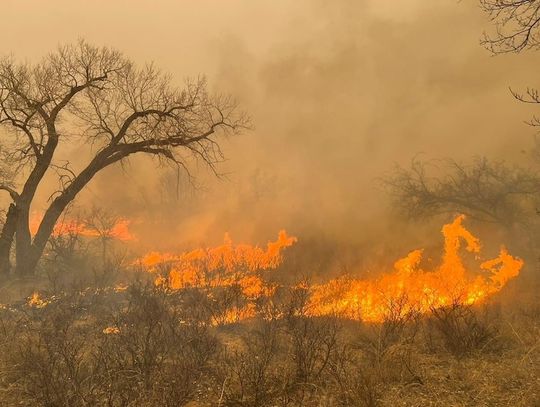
82,93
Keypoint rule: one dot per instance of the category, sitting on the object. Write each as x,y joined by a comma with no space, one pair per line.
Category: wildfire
219,266
36,301
119,230
111,330
408,289
411,289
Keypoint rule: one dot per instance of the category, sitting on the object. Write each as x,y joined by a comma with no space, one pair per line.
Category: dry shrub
156,356
313,342
222,301
355,384
399,326
161,349
140,353
251,372
461,329
48,361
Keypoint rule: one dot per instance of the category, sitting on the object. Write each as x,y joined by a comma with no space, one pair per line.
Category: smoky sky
338,92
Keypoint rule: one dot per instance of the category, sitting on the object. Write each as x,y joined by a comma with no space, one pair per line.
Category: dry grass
161,350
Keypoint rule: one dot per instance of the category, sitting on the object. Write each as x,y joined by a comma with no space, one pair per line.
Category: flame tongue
410,288
220,266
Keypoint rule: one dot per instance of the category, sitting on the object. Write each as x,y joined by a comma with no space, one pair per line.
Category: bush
141,352
251,373
462,329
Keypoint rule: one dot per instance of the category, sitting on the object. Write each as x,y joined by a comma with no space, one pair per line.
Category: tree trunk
44,232
28,251
23,242
6,239
26,257
26,260
30,255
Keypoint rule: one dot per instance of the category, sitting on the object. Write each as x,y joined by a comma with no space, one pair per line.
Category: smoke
339,92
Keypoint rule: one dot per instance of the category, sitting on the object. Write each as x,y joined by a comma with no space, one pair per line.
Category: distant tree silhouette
489,191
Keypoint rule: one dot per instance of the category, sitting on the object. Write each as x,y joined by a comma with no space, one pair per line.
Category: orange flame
408,289
119,231
36,301
220,266
415,290
111,330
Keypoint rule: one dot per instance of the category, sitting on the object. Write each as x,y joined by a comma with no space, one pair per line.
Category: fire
219,266
111,330
119,230
36,301
412,289
236,314
409,289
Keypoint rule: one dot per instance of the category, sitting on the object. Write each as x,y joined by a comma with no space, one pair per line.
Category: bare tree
484,190
517,24
97,96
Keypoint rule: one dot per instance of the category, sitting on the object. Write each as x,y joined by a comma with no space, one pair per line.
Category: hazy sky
338,92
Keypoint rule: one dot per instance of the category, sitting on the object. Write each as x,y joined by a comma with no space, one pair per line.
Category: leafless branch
517,25
487,191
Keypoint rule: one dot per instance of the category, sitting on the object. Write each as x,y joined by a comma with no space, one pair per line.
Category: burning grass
418,290
409,286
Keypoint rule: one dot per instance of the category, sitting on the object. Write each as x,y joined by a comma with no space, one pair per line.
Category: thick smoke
339,92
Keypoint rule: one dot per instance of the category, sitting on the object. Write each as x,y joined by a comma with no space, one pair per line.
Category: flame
411,289
119,231
111,330
36,301
235,314
119,288
223,265
408,289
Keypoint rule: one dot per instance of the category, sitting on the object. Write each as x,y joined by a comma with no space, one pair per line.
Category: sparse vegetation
146,346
